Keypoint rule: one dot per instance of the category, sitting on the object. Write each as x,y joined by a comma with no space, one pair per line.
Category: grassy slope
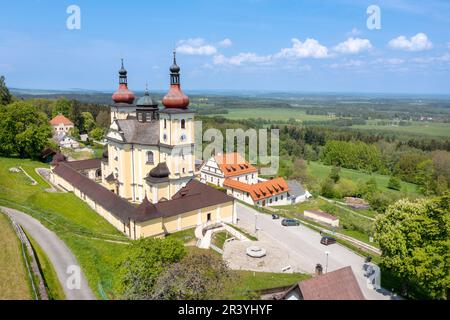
248,281
321,171
70,218
14,279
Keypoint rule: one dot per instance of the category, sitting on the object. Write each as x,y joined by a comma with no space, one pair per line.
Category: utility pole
326,265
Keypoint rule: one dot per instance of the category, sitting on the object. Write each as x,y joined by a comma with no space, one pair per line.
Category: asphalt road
305,248
59,255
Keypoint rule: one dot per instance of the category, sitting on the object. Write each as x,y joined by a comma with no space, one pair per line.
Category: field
14,278
280,114
417,128
82,229
321,171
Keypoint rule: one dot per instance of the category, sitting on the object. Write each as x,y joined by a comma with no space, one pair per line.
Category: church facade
147,185
150,151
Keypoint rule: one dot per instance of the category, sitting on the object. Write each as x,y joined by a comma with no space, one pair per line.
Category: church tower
123,98
177,132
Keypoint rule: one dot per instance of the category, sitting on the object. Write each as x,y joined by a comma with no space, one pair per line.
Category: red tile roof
233,164
336,285
60,119
195,195
86,164
261,190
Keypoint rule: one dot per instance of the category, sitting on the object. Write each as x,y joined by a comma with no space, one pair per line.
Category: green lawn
419,128
247,282
218,238
186,236
278,114
14,279
82,229
322,171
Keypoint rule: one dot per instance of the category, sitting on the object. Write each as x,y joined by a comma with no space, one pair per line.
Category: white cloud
225,43
347,64
311,48
241,58
419,42
196,46
353,46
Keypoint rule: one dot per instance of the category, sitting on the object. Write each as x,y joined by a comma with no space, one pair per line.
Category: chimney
319,269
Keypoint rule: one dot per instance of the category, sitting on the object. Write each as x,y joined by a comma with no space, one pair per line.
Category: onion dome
160,171
175,98
123,95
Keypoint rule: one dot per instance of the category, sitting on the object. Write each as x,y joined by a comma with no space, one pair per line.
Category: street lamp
326,265
256,221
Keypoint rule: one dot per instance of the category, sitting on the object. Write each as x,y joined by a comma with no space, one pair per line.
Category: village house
297,193
340,284
61,125
233,173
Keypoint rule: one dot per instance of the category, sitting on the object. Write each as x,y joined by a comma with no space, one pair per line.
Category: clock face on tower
183,137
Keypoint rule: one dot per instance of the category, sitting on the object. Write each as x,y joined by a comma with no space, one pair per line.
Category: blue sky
287,45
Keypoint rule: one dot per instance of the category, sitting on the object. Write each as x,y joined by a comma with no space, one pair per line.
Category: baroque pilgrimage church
145,184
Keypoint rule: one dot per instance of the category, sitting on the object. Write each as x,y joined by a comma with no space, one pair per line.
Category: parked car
327,240
275,216
290,222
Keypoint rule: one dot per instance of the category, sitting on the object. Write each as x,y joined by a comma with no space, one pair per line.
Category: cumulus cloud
225,43
419,42
353,46
347,64
196,46
310,48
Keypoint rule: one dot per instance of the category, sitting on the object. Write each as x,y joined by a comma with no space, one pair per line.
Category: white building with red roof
228,166
61,125
232,172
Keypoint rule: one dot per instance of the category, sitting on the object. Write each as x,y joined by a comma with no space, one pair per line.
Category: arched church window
150,157
165,124
183,124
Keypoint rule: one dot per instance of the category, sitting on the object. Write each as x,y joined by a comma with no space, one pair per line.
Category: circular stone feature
256,252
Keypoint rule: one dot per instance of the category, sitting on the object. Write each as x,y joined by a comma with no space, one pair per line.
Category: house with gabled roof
240,178
228,166
61,125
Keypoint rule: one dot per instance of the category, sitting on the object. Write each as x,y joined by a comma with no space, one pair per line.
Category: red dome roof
123,95
175,98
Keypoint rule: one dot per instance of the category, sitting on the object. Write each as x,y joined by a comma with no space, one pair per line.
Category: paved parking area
304,248
275,260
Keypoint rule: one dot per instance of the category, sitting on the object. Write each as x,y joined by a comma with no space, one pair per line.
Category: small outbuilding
323,217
